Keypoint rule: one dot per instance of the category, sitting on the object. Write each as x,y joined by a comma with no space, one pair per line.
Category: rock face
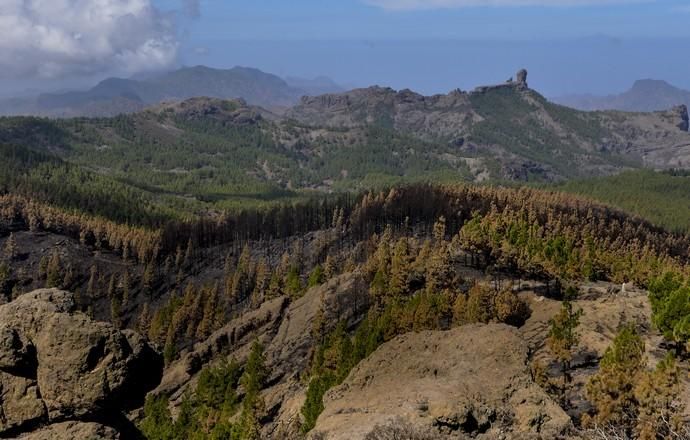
469,381
58,365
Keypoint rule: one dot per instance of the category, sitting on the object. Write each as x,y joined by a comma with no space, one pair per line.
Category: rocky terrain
469,381
473,381
64,376
523,126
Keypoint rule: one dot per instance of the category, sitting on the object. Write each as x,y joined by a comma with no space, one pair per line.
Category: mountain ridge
645,95
114,96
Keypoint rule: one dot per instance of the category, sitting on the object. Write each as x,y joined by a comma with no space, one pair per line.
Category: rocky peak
519,82
521,78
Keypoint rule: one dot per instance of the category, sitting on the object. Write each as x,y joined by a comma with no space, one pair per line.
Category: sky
432,46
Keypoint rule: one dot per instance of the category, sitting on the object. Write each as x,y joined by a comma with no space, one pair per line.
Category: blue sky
432,46
576,46
357,19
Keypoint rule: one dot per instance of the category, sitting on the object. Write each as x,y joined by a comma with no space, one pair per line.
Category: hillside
115,96
660,197
421,310
206,155
646,95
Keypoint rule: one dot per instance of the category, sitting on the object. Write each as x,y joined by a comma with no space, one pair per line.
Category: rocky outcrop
405,110
232,112
58,365
470,381
521,78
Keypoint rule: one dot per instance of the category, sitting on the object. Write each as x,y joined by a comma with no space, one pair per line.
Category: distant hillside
314,87
645,96
659,197
115,95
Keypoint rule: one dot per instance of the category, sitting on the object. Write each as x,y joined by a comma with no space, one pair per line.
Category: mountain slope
645,96
659,197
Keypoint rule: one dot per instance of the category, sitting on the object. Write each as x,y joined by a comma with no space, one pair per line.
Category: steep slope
646,95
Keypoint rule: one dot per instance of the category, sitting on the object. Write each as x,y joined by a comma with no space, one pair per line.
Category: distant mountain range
645,96
116,95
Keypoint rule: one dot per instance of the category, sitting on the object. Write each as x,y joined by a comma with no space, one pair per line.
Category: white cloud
58,38
402,5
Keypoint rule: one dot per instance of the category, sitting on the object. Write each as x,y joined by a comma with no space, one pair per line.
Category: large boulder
470,381
56,364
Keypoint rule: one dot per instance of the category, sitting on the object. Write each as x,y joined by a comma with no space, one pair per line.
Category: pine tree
263,274
439,274
242,281
330,269
563,338
144,321
43,267
148,279
293,283
480,304
11,249
125,288
401,266
612,390
112,287
659,405
316,277
189,254
510,309
116,310
69,277
54,275
440,230
252,381
5,275
170,349
208,320
275,286
92,284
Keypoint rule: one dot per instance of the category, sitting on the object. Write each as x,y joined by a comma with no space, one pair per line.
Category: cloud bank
59,38
448,4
